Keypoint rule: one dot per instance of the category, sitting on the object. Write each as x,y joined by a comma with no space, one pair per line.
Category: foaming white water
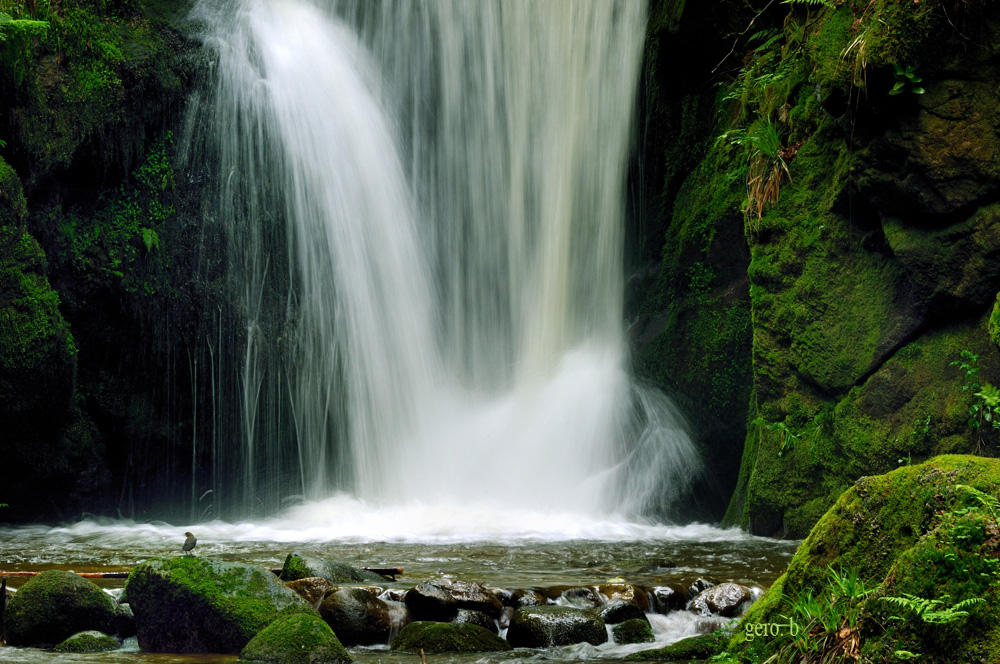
343,518
450,179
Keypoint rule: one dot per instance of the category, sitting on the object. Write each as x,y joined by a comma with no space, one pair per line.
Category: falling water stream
424,203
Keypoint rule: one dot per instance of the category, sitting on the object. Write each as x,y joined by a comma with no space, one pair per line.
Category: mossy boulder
55,605
694,647
927,532
635,630
298,567
90,641
195,604
296,639
544,626
435,637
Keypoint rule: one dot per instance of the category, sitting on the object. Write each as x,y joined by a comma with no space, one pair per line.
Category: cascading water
425,210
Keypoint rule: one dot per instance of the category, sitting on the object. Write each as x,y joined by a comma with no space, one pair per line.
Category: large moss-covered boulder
435,637
55,605
544,626
633,631
296,639
694,647
920,536
195,604
90,641
298,567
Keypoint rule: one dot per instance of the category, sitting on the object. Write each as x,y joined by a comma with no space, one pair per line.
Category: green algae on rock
195,604
55,605
437,637
89,641
635,630
296,639
695,647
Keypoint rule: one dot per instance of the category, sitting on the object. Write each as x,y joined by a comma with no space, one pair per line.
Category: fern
811,3
928,609
150,239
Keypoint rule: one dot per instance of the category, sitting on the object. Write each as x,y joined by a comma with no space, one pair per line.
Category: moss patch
695,647
435,637
55,605
296,639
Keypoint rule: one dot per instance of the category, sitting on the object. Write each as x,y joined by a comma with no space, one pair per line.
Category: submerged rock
441,599
435,637
543,626
311,588
356,616
723,600
54,606
633,631
196,604
299,567
296,639
525,598
90,641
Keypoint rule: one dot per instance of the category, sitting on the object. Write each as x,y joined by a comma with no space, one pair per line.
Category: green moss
91,641
435,637
636,630
194,604
53,606
296,639
695,647
913,531
993,324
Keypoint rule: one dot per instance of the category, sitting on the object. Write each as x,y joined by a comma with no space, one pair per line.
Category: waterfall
424,202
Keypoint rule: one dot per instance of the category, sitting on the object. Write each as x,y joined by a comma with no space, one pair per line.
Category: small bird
189,542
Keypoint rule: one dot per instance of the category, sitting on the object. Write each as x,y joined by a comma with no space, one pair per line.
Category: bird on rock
189,542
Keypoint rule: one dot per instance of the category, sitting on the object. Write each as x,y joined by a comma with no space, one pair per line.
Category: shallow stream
499,549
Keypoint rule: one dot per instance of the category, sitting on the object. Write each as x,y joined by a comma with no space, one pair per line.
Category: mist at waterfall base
424,211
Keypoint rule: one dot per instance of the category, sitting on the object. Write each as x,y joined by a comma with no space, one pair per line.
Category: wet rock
476,618
722,600
54,606
392,595
695,647
90,641
399,615
311,588
628,593
619,611
506,596
504,619
299,567
543,626
441,599
582,598
296,639
124,621
698,586
435,637
525,598
665,599
633,631
356,616
198,604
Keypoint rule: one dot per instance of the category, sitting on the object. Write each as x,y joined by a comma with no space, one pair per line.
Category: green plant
811,3
787,437
766,167
906,79
929,611
968,364
989,503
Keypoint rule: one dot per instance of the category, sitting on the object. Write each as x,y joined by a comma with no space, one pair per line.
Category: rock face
721,600
356,616
441,600
633,631
927,531
435,637
91,641
195,604
296,639
544,626
298,567
55,605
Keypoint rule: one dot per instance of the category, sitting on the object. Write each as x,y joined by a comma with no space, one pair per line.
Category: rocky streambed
335,611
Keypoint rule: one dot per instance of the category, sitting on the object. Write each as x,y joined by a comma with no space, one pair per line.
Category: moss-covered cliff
852,153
